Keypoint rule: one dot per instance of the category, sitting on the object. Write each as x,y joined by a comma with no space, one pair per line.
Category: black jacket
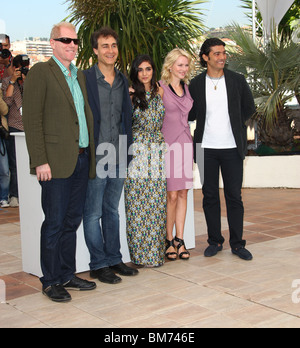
240,103
94,101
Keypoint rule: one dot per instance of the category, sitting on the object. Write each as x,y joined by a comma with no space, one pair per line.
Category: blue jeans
4,173
63,204
101,221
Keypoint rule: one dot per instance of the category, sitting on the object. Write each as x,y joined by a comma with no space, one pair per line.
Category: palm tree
274,75
144,26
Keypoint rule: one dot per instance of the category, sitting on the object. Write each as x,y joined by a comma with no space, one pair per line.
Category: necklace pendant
216,88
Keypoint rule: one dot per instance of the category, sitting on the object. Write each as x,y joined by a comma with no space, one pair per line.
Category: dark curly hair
103,32
139,97
206,48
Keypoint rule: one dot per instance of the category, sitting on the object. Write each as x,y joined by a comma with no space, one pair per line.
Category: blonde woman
178,102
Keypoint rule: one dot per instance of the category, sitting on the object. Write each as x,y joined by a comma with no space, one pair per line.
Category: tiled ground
220,292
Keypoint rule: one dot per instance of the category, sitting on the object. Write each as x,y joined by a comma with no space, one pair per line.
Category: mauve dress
176,131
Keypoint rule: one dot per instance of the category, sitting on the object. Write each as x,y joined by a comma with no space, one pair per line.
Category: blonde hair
55,33
171,59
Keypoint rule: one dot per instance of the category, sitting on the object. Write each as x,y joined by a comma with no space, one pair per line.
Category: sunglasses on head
67,40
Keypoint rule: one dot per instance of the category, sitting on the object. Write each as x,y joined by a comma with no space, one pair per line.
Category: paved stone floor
219,292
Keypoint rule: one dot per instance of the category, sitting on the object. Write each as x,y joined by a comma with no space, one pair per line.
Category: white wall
31,216
273,171
267,172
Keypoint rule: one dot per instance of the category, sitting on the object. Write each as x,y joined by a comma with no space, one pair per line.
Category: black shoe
243,253
124,270
105,275
78,284
212,250
184,253
57,293
171,256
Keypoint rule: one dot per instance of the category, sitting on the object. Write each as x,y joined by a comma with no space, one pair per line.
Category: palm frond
273,73
144,26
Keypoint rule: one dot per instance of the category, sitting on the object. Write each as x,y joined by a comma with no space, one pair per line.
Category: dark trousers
63,203
231,165
12,160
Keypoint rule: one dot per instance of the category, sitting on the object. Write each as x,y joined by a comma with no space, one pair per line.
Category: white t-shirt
218,131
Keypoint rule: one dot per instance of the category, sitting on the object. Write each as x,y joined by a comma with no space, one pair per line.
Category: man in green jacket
58,125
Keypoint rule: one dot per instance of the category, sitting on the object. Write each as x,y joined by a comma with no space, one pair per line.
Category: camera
22,62
25,65
4,54
24,70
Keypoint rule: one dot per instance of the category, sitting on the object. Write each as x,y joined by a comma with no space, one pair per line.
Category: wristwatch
12,83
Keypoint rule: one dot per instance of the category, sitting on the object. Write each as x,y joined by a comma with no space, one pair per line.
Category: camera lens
24,71
4,54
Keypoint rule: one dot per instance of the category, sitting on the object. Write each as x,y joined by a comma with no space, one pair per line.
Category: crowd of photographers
13,72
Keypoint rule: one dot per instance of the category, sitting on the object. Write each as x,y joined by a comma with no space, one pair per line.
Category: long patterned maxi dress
146,187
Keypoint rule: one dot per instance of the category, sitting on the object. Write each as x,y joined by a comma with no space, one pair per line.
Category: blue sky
35,17
220,13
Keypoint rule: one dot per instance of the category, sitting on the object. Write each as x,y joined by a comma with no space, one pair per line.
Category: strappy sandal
180,245
170,244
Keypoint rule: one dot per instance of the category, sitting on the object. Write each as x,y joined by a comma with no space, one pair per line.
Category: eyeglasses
67,40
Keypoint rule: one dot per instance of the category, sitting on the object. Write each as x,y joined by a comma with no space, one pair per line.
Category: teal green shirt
78,101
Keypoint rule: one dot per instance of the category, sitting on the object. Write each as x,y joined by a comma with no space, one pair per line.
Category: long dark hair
139,96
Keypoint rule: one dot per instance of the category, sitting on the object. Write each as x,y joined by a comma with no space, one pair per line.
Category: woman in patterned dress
146,186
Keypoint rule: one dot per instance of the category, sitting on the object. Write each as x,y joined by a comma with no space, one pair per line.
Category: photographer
6,58
4,168
12,88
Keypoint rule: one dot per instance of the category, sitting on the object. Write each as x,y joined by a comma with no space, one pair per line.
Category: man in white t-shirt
223,102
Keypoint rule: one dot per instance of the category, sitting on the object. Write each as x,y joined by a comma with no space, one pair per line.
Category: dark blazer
51,122
94,100
240,103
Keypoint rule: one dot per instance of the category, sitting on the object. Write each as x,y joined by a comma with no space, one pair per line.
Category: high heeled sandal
170,244
180,245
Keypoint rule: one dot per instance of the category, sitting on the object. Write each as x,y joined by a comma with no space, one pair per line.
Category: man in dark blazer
110,102
223,103
58,125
